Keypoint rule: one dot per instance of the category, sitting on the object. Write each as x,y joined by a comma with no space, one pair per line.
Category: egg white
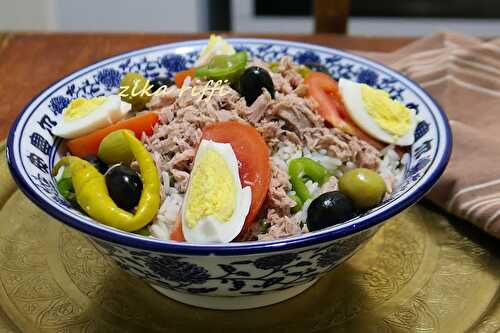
109,112
353,100
209,229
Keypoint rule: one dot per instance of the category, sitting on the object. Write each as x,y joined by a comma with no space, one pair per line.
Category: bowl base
233,302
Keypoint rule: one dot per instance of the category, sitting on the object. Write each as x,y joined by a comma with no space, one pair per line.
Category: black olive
252,81
160,81
97,163
318,68
124,186
328,209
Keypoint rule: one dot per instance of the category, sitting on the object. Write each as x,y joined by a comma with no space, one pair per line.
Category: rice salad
236,149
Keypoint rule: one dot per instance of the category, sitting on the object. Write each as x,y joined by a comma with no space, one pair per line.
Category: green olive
132,87
114,148
364,187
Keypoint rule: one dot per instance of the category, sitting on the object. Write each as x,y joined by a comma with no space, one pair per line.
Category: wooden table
31,62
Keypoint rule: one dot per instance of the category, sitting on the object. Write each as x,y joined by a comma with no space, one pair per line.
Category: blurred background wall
367,17
104,15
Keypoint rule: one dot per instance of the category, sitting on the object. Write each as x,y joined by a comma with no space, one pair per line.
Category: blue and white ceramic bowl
258,273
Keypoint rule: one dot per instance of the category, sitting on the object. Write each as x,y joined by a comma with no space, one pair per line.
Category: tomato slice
176,234
253,155
89,143
325,91
179,77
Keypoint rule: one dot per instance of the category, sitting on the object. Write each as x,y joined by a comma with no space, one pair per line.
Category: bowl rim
348,228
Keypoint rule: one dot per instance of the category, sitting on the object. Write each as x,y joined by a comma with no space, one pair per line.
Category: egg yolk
212,191
80,107
390,115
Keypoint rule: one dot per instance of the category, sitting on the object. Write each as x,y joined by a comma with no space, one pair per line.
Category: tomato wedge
176,234
253,155
181,76
89,144
325,91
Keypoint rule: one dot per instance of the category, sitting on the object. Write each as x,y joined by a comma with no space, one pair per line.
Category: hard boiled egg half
377,114
83,116
215,205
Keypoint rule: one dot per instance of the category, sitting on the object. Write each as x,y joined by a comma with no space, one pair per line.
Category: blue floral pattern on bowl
234,269
249,275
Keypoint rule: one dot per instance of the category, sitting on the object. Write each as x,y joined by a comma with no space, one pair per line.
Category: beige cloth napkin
463,74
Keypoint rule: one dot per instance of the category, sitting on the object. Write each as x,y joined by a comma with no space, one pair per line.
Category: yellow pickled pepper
93,197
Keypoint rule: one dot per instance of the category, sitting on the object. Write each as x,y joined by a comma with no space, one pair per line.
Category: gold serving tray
422,272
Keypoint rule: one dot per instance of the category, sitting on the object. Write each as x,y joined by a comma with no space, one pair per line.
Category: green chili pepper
301,169
298,203
224,67
264,227
65,186
93,197
143,232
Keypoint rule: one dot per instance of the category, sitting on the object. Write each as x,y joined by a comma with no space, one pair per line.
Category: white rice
167,214
392,167
288,152
330,163
301,216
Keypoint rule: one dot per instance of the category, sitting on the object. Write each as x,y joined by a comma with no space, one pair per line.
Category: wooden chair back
330,16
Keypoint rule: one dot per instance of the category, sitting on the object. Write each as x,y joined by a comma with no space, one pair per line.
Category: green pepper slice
301,169
298,203
65,186
143,232
224,67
